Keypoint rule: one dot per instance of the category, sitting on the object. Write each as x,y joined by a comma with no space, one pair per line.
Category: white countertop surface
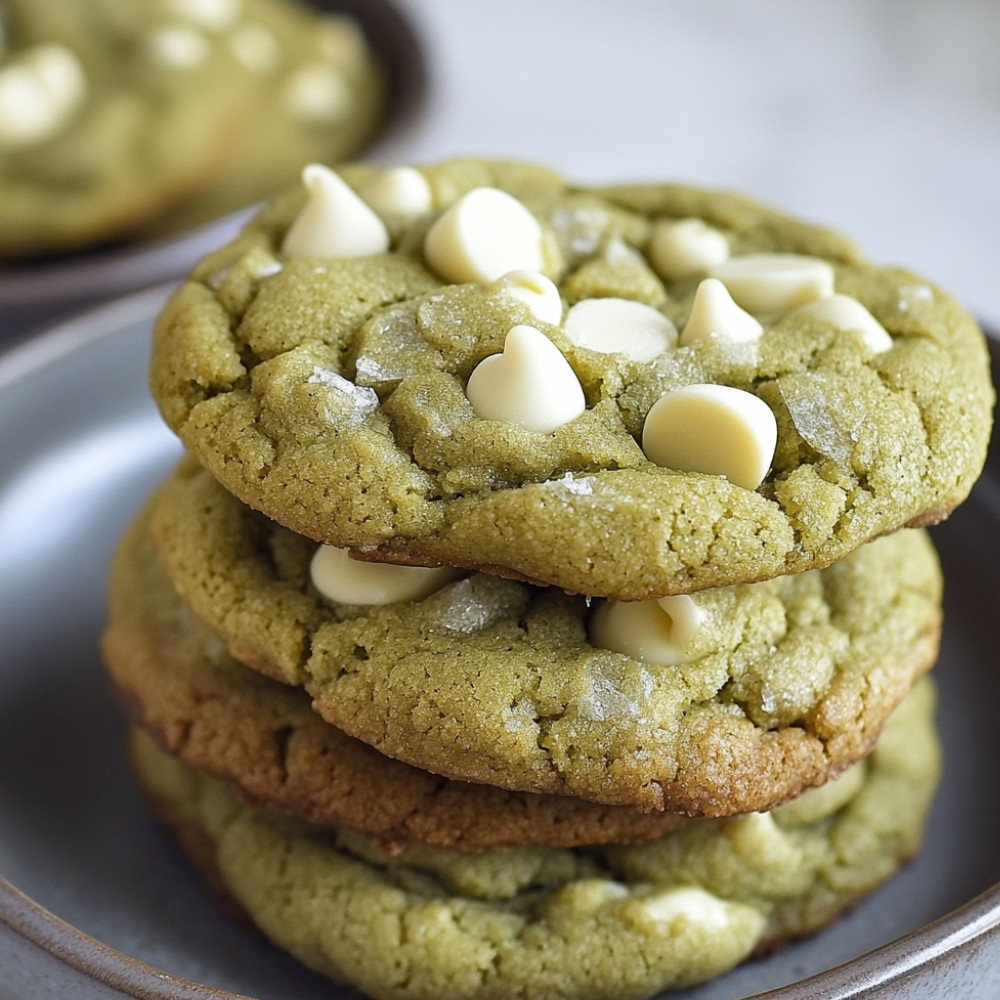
878,117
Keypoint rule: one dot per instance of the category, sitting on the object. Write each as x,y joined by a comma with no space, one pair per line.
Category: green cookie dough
496,681
168,109
330,394
614,923
144,134
175,678
315,93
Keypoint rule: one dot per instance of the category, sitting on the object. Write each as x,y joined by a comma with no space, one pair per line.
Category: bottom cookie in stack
406,884
611,921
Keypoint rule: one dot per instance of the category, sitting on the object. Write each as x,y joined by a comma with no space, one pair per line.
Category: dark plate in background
82,445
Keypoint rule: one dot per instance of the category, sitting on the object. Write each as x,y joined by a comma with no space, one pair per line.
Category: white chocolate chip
317,93
846,313
588,895
334,222
714,429
344,580
536,291
715,314
687,903
214,15
685,248
756,832
686,618
621,326
658,631
616,250
39,93
482,236
57,70
775,282
340,39
530,384
398,191
255,47
178,46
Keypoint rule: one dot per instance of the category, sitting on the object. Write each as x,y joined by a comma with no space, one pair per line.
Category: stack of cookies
117,116
543,606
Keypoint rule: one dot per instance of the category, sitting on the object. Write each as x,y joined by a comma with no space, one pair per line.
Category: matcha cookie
732,700
625,392
616,922
316,93
108,115
176,679
114,112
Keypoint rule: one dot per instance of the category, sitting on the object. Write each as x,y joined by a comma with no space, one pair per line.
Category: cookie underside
329,393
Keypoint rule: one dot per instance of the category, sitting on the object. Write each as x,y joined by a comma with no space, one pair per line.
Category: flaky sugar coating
331,394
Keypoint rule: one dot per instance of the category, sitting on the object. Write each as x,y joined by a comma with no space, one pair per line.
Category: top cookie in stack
627,392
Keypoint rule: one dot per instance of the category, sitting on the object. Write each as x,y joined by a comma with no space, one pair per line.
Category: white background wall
880,117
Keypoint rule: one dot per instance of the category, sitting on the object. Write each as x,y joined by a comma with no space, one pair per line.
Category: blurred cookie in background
316,92
116,117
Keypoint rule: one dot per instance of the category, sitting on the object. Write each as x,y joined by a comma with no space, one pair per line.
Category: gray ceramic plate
104,900
31,292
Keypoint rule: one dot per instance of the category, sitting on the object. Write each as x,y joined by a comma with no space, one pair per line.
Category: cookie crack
281,739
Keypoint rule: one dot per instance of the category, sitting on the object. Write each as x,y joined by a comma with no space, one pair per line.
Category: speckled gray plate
32,293
104,904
